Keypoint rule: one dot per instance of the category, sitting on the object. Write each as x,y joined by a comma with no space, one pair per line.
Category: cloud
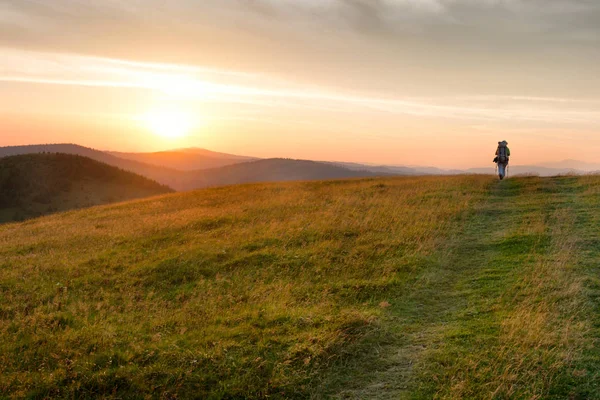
524,16
214,85
544,48
550,17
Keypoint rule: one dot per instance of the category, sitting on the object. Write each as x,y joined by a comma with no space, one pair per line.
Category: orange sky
391,81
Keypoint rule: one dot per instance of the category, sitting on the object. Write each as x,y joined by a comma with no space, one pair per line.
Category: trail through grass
510,311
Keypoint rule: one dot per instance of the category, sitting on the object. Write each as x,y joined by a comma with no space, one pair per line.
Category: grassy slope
457,287
37,184
509,309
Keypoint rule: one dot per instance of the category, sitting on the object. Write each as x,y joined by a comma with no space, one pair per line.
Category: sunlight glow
168,124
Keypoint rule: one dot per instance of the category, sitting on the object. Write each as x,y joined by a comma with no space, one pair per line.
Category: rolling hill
380,169
156,173
185,159
271,170
37,184
456,287
242,171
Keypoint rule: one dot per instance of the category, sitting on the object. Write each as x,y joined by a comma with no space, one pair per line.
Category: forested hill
32,185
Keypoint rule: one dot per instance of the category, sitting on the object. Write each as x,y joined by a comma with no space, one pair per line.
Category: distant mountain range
194,168
185,159
272,170
573,165
514,170
233,170
379,169
32,185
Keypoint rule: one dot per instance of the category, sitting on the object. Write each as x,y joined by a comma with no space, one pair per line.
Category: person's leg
501,170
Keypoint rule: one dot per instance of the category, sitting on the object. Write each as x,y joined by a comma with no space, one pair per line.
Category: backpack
502,157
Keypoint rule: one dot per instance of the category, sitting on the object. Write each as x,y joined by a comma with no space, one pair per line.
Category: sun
168,124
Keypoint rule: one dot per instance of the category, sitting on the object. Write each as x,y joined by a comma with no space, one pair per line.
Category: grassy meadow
419,288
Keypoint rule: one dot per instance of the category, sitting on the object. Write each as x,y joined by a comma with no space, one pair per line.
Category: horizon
434,83
564,164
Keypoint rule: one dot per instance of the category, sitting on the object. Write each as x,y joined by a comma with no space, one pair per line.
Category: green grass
454,287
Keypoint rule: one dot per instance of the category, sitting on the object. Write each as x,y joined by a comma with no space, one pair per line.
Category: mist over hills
573,165
545,170
530,170
272,170
33,185
380,169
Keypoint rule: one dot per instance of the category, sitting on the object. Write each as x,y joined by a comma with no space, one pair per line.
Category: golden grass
243,291
440,287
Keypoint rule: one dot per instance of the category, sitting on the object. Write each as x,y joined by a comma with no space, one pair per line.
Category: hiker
502,158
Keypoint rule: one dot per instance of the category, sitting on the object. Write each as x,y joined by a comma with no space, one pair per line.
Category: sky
405,82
